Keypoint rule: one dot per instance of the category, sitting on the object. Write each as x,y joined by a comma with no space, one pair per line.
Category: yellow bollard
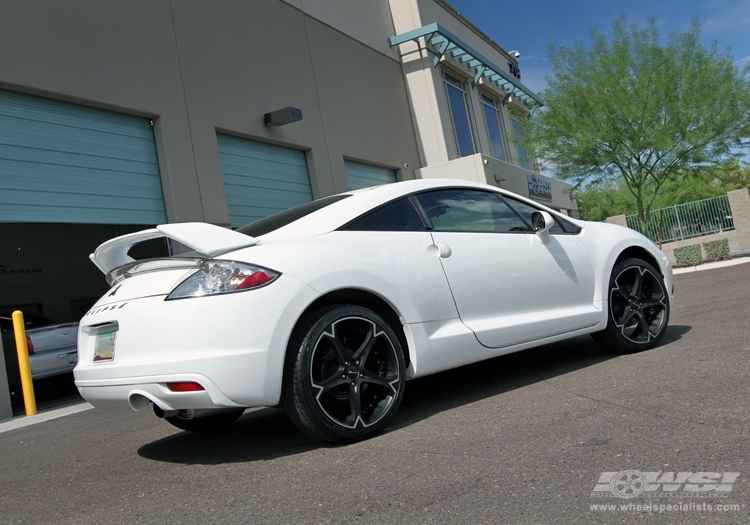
29,401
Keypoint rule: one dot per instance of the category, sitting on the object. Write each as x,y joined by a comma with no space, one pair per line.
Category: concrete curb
25,421
712,265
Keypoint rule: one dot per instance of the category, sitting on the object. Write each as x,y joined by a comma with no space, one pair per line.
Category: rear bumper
233,345
138,393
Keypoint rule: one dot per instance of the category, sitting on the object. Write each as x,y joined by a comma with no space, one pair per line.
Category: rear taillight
219,277
185,386
256,279
29,345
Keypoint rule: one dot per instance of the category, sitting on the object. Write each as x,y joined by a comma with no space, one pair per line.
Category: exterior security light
281,117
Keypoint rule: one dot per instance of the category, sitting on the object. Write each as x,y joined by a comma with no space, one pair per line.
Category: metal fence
684,221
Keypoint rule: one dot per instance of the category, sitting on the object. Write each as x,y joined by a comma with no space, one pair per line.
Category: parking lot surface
566,433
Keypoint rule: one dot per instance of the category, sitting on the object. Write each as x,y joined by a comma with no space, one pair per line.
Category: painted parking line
25,421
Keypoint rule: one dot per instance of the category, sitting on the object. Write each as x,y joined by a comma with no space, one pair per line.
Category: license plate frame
104,347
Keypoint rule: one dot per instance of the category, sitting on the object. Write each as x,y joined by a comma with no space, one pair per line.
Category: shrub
717,250
688,255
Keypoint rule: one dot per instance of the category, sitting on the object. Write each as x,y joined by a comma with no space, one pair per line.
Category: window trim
466,97
506,199
522,121
499,196
409,198
559,220
493,103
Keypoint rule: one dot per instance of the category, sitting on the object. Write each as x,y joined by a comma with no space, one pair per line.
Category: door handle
440,249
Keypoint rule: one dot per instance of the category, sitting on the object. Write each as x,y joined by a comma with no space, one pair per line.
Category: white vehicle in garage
328,308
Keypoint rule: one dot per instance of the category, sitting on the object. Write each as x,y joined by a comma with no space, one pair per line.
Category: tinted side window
525,210
470,211
398,216
569,226
283,218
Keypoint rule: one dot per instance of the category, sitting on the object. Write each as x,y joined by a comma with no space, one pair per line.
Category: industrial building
119,115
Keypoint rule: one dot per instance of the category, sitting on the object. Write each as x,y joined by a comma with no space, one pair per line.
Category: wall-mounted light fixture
281,117
508,98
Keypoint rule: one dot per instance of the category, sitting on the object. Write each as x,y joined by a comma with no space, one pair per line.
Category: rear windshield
281,219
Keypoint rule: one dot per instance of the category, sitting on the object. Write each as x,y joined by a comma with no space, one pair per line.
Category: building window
493,117
458,102
519,137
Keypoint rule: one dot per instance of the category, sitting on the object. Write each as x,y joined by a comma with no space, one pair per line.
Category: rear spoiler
205,238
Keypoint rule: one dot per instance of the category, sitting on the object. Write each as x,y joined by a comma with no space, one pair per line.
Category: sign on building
539,188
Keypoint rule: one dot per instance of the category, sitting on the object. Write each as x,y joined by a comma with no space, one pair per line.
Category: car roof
363,200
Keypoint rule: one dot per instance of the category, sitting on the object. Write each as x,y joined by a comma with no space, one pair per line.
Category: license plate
104,347
73,358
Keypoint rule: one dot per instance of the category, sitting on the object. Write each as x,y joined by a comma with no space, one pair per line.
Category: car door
509,286
391,246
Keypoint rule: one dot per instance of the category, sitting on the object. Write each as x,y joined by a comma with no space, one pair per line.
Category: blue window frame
458,102
493,117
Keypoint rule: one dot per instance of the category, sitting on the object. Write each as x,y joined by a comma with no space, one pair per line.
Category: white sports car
326,309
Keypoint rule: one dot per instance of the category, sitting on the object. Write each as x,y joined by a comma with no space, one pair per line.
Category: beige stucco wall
739,201
366,22
196,68
424,82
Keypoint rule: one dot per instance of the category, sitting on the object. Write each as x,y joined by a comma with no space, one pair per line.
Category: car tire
211,423
344,376
638,308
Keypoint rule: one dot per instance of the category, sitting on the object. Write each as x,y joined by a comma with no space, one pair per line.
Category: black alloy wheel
345,376
638,308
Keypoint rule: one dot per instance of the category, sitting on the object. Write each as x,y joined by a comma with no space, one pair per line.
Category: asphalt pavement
565,433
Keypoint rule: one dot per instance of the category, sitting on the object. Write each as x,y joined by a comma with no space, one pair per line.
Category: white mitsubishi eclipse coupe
328,308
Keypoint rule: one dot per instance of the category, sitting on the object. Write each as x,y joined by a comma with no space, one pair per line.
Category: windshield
283,218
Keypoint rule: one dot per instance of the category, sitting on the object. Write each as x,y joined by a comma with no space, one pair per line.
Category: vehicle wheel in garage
638,308
344,376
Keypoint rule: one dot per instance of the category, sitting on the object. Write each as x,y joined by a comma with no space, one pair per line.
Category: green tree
732,176
634,111
606,199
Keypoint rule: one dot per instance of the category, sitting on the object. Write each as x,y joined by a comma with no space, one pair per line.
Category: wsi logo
631,483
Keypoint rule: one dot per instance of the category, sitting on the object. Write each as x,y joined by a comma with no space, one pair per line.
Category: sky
529,26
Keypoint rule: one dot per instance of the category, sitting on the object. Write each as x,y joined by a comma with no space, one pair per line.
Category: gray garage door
67,163
365,175
261,179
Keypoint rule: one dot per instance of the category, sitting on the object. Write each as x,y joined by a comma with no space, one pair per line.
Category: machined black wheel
638,308
210,423
344,377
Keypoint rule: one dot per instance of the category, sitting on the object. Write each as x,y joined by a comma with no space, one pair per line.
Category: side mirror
542,221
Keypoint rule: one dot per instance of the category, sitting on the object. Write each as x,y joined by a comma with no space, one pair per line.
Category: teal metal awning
443,41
